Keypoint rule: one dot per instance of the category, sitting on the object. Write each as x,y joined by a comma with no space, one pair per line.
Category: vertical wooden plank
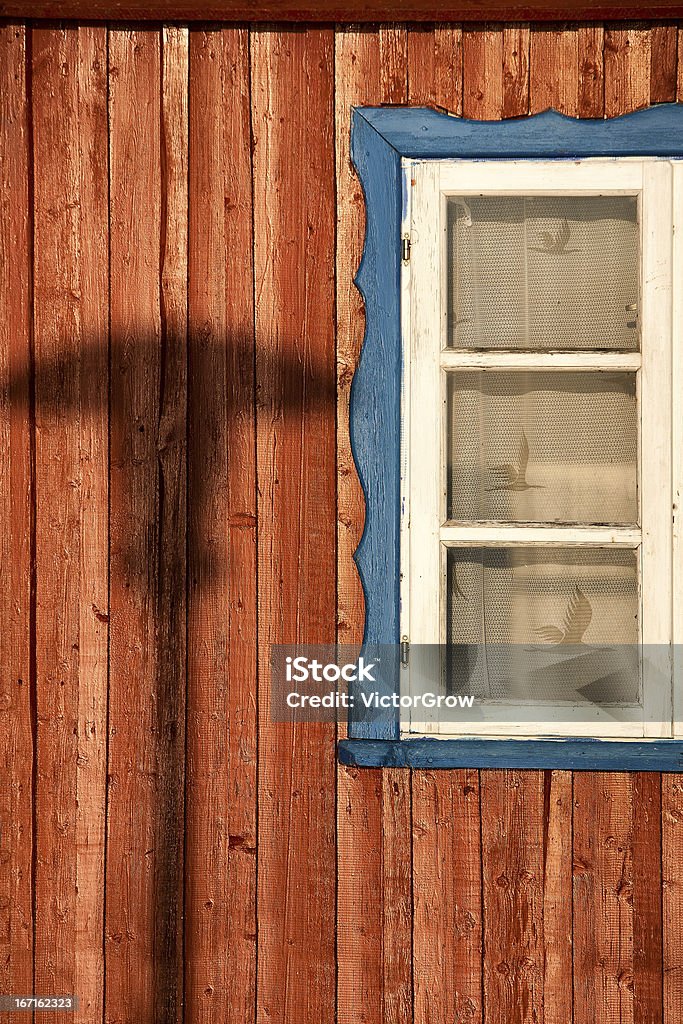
71,359
94,582
482,86
220,943
672,895
435,66
567,69
171,440
647,898
360,918
679,72
135,112
374,951
603,897
16,682
447,897
591,45
396,902
627,68
293,114
664,63
512,869
148,128
557,897
373,914
516,40
555,69
393,54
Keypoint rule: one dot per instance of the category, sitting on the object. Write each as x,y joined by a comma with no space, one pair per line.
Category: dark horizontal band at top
330,11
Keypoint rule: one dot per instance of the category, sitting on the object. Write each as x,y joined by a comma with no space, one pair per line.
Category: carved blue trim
380,137
570,754
421,133
376,389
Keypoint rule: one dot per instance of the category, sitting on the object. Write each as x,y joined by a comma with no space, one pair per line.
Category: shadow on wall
164,409
182,424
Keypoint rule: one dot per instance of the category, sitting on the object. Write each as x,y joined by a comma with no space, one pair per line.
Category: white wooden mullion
404,625
656,461
506,720
459,360
597,176
426,460
677,443
498,535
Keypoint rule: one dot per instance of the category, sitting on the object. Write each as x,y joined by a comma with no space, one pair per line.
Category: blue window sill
569,754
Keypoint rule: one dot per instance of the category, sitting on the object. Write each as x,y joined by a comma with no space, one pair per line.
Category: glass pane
543,272
568,616
547,447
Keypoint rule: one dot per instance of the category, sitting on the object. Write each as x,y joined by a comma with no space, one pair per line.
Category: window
516,426
537,526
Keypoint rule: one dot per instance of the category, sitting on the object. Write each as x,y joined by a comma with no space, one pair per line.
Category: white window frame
425,533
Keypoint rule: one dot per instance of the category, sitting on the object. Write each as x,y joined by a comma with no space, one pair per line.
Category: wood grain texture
512,873
591,71
17,685
555,69
567,70
482,84
516,41
171,442
70,317
647,898
663,63
352,11
557,897
672,895
293,114
373,807
94,455
148,201
447,897
220,908
627,69
374,908
360,918
435,66
603,898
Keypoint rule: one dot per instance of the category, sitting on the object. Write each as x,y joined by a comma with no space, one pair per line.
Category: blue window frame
380,138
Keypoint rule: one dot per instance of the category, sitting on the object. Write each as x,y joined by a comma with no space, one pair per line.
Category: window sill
657,755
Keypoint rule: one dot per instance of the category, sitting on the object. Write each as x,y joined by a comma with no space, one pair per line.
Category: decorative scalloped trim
375,389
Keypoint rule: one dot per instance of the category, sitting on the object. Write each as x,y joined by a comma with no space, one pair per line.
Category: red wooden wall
179,228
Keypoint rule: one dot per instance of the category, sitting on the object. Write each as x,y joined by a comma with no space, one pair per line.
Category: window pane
543,623
543,272
546,447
